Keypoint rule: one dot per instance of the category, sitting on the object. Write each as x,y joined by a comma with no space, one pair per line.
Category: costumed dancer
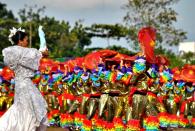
95,80
124,72
139,86
188,105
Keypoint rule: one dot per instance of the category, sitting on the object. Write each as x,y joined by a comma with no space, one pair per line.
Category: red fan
176,73
7,73
120,57
71,64
189,66
93,59
188,74
48,65
79,61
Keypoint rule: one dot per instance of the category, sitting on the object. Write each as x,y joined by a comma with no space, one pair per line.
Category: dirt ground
57,129
60,129
184,130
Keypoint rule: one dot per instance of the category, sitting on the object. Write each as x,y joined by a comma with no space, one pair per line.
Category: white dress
29,111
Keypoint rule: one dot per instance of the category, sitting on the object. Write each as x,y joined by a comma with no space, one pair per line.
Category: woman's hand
45,53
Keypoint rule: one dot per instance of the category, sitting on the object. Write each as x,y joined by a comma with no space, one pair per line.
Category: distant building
186,47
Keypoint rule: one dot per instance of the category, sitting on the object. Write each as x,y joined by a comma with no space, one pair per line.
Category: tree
4,13
155,13
188,57
82,35
57,33
7,21
108,31
29,15
174,60
62,39
65,40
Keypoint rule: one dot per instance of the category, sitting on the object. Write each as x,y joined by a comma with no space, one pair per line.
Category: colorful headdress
180,84
188,74
169,85
166,75
139,65
153,71
129,70
77,69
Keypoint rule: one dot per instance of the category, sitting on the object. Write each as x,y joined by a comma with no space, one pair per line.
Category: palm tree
188,56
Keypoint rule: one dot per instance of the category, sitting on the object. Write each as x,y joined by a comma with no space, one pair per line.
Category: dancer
29,110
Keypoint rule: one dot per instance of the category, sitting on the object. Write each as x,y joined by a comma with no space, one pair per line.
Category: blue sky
103,11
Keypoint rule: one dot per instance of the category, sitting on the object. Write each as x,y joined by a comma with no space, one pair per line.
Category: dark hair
18,36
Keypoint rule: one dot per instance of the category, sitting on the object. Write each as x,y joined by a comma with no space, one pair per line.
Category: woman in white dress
29,110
